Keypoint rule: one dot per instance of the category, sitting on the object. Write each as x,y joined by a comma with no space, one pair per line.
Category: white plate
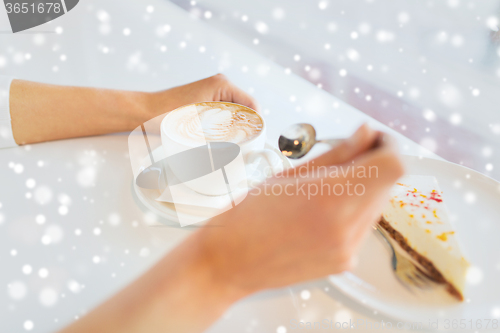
475,201
168,210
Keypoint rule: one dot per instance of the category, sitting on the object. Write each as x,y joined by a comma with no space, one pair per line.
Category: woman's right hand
273,240
266,241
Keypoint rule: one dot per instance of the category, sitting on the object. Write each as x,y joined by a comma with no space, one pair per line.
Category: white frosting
418,212
204,122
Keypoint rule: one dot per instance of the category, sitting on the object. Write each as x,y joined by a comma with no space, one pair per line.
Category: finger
384,161
377,171
236,95
363,139
360,141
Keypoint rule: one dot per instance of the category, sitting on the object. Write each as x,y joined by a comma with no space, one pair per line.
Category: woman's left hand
215,88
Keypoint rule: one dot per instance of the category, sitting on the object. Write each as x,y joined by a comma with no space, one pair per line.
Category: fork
405,270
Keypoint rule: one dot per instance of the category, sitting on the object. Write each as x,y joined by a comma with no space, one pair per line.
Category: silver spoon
298,139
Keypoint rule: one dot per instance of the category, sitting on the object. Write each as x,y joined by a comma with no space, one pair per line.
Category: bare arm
267,241
181,294
43,112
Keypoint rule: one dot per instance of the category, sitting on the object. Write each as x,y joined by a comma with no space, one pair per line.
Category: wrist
215,273
186,284
218,249
142,108
168,100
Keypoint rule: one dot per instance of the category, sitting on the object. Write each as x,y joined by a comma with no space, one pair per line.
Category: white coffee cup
215,180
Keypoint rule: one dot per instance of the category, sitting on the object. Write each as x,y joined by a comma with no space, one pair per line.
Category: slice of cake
418,220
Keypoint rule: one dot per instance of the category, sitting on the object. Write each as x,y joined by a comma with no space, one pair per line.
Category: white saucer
478,227
169,210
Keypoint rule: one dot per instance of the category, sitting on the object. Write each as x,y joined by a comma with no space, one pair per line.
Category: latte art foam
205,122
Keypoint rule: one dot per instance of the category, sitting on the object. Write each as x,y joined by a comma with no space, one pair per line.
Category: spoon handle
331,142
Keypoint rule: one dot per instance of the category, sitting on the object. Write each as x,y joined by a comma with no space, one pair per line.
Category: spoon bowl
297,140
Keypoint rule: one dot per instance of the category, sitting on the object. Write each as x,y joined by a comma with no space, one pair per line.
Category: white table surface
105,238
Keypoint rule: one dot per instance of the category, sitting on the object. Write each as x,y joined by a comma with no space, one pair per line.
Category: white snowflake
30,183
323,4
17,290
40,219
48,297
114,219
281,329
53,234
28,325
305,294
385,36
474,275
278,13
43,195
27,269
144,252
261,27
43,273
74,286
470,197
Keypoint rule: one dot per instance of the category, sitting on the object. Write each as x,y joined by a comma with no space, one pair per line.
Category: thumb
360,141
231,93
383,167
384,163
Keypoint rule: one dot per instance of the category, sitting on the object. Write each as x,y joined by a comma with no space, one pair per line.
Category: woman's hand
273,240
267,241
216,88
42,112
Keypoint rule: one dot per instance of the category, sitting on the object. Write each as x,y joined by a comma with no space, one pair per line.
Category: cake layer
433,273
418,214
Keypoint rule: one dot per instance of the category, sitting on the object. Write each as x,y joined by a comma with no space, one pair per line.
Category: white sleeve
6,136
